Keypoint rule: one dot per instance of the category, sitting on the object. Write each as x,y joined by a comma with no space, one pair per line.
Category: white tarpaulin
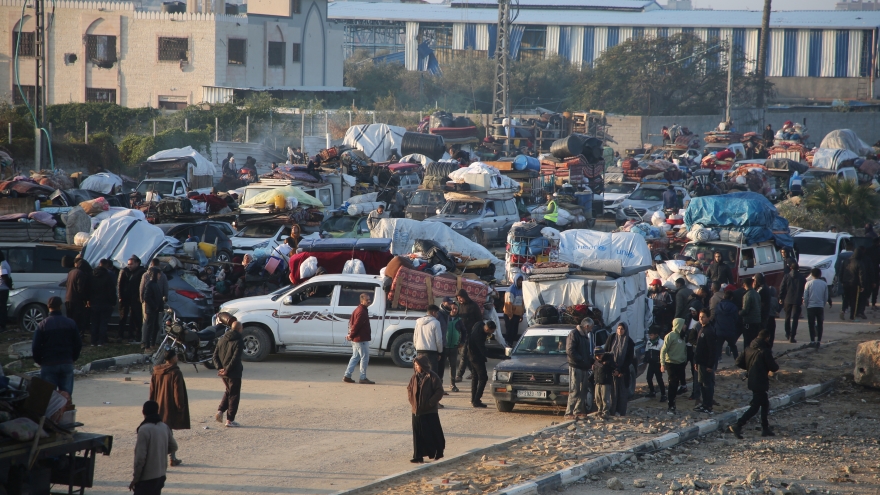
203,165
623,299
376,140
831,158
846,139
403,233
118,238
580,245
103,182
497,180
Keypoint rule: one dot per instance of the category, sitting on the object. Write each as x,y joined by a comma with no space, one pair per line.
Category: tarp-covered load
846,139
203,166
746,212
103,182
377,141
302,197
832,158
586,247
118,238
785,164
404,232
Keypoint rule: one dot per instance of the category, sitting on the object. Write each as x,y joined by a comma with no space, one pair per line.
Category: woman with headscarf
622,349
425,391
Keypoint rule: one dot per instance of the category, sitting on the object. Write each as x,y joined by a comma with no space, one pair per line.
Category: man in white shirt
428,337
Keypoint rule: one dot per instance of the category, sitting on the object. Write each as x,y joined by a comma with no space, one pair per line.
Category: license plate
534,394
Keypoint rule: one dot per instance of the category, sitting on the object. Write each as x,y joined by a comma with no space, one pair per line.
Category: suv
206,232
424,203
409,182
481,220
744,260
615,193
822,250
644,201
34,264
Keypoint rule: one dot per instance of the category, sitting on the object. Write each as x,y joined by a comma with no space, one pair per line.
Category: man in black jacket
131,314
76,298
56,346
470,315
682,298
578,349
759,363
719,271
476,349
706,358
227,360
791,297
103,298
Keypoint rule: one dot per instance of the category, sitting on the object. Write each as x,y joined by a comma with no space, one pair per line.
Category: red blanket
334,261
414,288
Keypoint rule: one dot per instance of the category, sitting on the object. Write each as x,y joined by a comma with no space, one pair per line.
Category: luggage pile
744,217
529,243
578,159
787,149
723,137
721,160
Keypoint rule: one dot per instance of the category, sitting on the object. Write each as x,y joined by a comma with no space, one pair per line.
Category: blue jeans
360,351
60,375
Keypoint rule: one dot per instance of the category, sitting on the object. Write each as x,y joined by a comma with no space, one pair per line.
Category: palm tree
855,205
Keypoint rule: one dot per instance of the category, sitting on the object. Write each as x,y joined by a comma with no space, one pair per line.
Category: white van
34,264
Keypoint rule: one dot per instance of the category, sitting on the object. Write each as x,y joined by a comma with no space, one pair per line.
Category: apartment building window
99,95
237,52
101,50
173,49
28,93
295,50
297,6
27,47
276,54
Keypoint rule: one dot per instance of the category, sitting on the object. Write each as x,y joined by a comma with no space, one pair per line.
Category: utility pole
40,89
762,54
729,76
501,101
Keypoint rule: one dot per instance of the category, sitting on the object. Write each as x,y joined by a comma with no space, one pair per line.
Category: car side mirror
178,191
508,351
437,211
287,301
748,263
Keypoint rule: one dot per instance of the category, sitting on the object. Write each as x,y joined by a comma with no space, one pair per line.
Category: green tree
851,204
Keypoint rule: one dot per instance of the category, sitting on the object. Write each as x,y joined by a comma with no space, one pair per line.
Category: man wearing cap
56,346
578,348
131,314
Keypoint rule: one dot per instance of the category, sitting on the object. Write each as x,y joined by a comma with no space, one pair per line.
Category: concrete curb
104,364
569,475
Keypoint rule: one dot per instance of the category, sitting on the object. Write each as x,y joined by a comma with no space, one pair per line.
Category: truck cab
165,188
745,260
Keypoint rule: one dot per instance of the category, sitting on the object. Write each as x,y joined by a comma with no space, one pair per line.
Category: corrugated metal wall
482,36
789,52
802,62
625,34
751,49
458,36
814,65
412,46
855,53
601,42
577,46
551,46
565,42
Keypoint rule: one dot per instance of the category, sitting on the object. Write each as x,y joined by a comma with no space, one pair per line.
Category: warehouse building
812,54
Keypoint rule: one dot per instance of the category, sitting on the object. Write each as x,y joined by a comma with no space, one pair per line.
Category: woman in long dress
622,348
425,391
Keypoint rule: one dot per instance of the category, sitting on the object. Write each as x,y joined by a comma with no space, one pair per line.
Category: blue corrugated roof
827,19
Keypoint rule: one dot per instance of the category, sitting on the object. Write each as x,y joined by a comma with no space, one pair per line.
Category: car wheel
255,344
31,316
224,256
403,350
504,406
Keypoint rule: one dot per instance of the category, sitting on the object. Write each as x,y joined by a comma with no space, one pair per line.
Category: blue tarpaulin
744,209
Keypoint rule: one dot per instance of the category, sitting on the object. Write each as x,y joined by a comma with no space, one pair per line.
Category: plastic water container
525,162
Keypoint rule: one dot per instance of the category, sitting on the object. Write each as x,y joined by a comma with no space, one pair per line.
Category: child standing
603,367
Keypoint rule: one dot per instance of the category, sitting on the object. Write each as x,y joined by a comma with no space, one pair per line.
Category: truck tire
504,406
403,351
256,345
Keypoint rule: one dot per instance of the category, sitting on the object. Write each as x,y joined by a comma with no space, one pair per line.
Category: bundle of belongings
479,177
786,148
416,290
719,160
790,132
364,256
56,179
670,271
744,217
529,243
292,172
686,139
656,230
723,136
750,177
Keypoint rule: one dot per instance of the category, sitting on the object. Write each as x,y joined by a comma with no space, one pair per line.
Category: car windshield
619,188
258,231
252,192
647,194
704,253
427,198
816,246
541,343
161,187
339,224
463,208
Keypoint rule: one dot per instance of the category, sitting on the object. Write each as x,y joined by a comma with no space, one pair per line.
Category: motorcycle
193,346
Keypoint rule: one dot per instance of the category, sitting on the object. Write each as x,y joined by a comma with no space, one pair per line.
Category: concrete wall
823,88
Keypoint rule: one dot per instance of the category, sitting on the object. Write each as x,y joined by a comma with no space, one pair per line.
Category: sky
759,4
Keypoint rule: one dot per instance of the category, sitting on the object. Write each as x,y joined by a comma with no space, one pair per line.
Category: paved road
304,430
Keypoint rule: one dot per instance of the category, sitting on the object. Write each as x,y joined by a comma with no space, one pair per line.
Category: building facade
828,54
115,52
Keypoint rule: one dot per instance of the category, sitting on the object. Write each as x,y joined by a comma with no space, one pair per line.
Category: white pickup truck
313,318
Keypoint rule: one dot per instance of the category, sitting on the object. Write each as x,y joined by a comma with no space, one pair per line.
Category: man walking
227,360
428,337
673,359
103,291
750,312
759,363
454,336
56,346
706,358
359,334
578,350
131,315
791,296
470,315
374,216
77,295
477,356
168,389
815,297
154,442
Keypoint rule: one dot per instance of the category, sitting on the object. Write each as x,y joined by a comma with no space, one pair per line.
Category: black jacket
79,284
602,370
791,291
705,352
629,354
720,272
476,346
683,302
726,319
470,314
758,361
128,285
153,296
103,288
579,350
227,355
56,341
764,293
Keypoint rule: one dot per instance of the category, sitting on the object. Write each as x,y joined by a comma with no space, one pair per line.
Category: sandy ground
307,432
